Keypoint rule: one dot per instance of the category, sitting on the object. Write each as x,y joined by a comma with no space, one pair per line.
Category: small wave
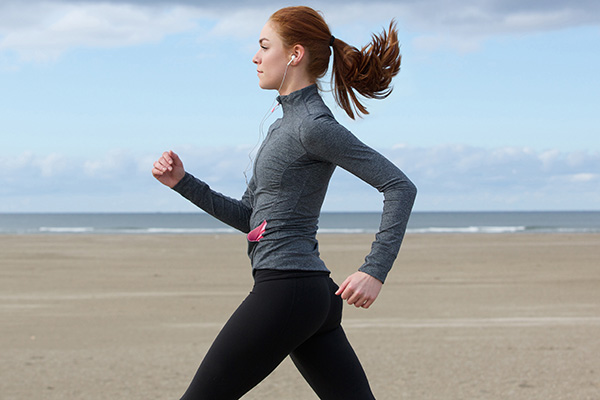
577,230
470,229
66,229
188,230
346,230
150,231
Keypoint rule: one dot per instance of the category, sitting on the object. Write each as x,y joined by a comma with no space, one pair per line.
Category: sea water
354,222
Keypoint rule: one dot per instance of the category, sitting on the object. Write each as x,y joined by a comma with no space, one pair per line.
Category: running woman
294,307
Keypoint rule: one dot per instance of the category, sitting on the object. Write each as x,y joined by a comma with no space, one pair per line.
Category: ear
299,52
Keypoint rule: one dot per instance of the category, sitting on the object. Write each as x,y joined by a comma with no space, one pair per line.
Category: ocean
330,222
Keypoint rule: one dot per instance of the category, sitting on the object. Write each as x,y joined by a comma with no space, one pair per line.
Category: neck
293,82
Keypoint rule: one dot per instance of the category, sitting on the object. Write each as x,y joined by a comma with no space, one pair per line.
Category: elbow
400,184
411,188
408,192
402,190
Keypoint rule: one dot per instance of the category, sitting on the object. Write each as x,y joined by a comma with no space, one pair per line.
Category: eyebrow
262,40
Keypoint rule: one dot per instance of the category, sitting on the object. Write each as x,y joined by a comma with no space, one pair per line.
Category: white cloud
241,23
466,25
584,177
116,164
44,30
52,165
450,177
462,177
50,29
45,166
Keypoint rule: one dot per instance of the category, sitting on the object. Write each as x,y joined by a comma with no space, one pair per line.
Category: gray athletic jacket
281,207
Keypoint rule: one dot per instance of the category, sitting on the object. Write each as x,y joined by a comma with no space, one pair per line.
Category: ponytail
368,71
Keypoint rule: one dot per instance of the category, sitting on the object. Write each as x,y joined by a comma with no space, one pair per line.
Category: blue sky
496,106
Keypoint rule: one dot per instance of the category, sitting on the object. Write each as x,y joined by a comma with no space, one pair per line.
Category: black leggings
286,313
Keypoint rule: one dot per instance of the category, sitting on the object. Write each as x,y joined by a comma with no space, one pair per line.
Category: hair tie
331,40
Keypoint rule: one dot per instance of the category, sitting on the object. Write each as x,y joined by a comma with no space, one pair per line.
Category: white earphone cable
261,134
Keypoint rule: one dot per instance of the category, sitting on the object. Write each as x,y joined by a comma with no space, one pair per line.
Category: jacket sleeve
325,139
235,213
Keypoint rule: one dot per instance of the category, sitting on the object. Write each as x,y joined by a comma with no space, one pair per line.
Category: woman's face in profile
271,59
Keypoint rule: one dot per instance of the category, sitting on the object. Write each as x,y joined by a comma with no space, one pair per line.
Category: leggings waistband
262,275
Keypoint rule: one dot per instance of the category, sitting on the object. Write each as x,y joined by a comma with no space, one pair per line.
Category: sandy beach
500,316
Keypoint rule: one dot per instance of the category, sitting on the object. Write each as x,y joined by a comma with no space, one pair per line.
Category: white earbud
292,60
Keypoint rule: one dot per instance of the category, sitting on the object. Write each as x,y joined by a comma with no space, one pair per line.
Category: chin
266,86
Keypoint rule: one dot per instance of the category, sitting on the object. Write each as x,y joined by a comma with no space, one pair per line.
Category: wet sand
504,316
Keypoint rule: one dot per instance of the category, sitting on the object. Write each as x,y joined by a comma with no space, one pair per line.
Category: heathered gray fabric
291,173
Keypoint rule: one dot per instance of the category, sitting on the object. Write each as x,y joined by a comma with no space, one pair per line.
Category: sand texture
504,316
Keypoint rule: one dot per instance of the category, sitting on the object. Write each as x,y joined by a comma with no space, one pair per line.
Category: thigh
330,366
328,362
263,330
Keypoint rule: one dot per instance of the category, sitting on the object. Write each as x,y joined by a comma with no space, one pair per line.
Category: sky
496,106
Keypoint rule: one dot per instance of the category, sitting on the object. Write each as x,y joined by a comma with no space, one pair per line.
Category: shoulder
319,120
320,129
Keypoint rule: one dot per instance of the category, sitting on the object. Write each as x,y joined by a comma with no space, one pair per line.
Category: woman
294,307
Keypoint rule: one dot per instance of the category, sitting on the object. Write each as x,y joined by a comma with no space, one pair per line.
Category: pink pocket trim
257,233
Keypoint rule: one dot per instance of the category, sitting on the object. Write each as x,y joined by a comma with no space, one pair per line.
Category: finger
175,158
167,157
158,168
164,161
342,288
364,302
368,303
164,164
157,172
346,294
356,299
161,165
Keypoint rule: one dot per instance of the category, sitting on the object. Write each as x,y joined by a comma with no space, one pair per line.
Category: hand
168,169
360,289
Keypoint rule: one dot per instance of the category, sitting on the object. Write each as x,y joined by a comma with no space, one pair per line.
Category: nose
255,58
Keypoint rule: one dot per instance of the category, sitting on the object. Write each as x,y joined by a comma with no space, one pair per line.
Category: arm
234,213
169,170
327,140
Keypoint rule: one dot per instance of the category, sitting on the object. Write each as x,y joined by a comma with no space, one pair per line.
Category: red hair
368,71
